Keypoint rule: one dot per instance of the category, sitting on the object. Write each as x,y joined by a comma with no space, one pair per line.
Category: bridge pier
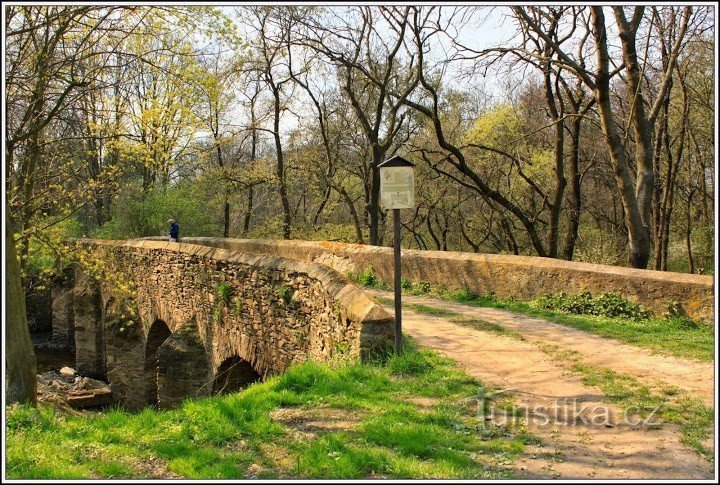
61,295
88,326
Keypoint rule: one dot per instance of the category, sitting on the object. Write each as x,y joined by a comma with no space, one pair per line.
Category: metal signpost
397,191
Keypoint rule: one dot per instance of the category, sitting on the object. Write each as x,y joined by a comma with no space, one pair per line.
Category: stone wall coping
483,258
360,306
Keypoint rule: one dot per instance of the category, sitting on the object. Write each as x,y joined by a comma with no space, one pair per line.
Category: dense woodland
594,142
587,134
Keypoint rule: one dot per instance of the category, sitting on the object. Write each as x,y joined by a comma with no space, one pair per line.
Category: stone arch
157,334
233,374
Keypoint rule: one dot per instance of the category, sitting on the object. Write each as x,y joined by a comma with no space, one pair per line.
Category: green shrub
284,292
140,214
605,305
224,291
420,288
463,294
366,278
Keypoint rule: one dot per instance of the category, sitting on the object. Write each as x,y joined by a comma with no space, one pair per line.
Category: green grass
484,326
679,337
694,419
432,311
459,318
666,336
223,437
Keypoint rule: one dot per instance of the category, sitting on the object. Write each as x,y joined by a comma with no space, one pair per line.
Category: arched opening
157,334
232,375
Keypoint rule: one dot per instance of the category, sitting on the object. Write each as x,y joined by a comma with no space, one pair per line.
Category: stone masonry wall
271,312
522,277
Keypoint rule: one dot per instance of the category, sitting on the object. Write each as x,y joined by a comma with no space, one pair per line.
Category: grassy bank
404,417
664,405
677,336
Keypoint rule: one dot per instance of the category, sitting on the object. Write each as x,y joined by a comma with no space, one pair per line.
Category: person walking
174,230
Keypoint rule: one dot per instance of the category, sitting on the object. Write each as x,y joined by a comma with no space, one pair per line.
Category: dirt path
549,397
697,378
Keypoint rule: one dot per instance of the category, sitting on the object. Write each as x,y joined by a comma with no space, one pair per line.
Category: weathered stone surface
522,277
269,312
90,398
62,315
77,391
67,372
88,328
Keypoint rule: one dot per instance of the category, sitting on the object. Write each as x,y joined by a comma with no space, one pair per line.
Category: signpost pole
398,287
397,191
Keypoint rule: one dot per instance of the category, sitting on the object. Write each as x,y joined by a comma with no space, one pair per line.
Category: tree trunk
20,359
280,168
575,199
248,211
226,222
559,155
638,234
353,212
688,230
374,204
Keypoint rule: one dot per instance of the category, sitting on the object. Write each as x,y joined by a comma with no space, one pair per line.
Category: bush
43,262
419,288
605,305
136,214
464,294
365,278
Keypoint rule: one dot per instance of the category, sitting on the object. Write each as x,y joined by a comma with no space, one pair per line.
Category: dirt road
583,436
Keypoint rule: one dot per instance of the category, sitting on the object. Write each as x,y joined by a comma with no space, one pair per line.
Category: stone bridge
165,321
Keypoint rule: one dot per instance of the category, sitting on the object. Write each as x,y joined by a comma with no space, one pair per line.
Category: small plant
420,288
237,306
367,278
674,310
224,291
406,283
217,312
224,294
464,294
285,293
605,305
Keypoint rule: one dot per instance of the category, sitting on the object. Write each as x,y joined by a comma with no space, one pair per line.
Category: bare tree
635,189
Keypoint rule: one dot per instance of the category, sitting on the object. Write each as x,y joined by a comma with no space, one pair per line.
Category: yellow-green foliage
495,126
44,255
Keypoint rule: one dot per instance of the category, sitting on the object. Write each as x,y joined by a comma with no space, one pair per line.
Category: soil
598,444
696,378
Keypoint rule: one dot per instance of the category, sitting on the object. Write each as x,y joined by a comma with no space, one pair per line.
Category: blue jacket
175,230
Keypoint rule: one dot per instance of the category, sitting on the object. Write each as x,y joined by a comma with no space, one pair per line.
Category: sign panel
397,187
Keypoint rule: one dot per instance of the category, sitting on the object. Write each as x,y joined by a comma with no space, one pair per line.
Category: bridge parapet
521,277
268,312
